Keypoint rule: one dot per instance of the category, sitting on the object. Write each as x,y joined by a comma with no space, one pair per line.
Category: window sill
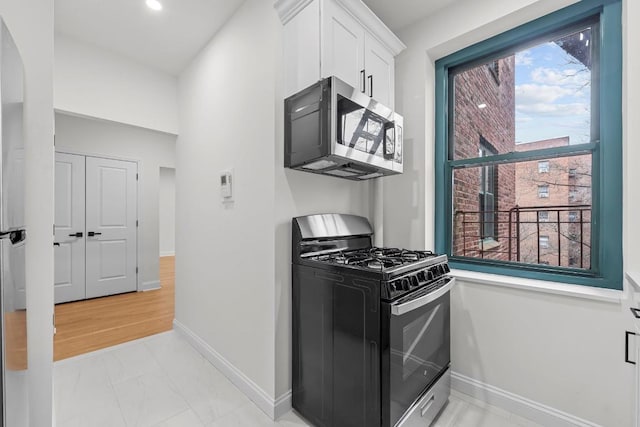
564,289
488,244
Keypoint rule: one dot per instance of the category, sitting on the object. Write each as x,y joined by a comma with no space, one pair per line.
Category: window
543,166
487,195
494,68
544,242
573,193
544,141
543,191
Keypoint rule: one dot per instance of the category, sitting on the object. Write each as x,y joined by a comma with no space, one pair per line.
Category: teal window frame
606,252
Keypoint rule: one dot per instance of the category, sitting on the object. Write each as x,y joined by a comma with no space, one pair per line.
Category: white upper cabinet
342,46
341,38
379,81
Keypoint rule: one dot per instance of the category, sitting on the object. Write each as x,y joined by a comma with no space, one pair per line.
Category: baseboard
150,285
274,408
282,405
534,411
168,253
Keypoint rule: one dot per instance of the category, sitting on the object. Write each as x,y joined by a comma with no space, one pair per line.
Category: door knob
93,233
78,234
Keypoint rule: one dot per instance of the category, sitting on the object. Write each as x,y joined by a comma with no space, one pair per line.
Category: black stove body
370,327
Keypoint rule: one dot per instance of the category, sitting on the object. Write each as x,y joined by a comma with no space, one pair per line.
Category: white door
69,247
379,65
111,209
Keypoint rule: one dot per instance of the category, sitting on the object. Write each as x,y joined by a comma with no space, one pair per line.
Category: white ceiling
166,40
169,39
397,14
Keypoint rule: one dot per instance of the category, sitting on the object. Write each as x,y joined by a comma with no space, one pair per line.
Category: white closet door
111,208
69,281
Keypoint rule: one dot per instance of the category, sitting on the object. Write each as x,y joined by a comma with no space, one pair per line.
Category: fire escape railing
472,239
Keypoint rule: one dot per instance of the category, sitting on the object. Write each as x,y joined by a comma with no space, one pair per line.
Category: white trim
518,405
167,253
271,407
374,25
150,285
287,9
564,289
282,405
633,277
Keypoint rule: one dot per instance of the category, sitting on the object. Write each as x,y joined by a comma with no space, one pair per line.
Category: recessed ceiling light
154,4
481,106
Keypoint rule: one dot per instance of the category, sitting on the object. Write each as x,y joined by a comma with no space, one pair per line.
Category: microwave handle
400,309
389,154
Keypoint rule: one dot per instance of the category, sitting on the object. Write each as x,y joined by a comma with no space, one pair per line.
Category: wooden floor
85,326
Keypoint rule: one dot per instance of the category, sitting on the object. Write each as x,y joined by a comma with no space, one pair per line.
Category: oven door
418,349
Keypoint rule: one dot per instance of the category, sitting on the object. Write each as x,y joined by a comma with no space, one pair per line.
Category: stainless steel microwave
334,129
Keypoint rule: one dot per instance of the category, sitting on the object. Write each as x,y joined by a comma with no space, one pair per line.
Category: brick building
484,124
555,197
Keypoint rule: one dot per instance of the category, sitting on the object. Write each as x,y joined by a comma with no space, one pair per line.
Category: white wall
167,214
152,149
231,116
95,82
225,262
563,352
31,23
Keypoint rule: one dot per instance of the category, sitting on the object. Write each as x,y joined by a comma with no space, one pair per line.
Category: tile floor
161,381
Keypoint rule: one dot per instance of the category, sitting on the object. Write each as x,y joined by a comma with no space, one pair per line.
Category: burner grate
376,258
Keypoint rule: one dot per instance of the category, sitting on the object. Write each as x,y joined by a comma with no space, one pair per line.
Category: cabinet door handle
370,85
93,233
78,234
362,84
626,347
636,312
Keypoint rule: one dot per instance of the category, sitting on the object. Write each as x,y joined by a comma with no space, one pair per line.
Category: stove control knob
405,284
446,268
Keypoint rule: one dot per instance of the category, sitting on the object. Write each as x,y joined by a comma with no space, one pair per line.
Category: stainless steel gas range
371,327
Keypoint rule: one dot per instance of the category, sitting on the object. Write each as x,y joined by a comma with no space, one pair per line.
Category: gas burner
376,258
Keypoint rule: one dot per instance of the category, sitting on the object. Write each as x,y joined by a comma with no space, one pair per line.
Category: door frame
139,283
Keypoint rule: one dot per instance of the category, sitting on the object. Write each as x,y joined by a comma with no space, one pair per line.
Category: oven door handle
400,309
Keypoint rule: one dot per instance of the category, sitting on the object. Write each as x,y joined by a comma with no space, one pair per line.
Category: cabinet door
379,68
343,46
301,41
111,227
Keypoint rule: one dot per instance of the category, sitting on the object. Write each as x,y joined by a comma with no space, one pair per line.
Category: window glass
542,98
543,166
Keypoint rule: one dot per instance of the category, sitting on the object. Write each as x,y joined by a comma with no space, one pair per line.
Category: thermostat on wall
226,189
